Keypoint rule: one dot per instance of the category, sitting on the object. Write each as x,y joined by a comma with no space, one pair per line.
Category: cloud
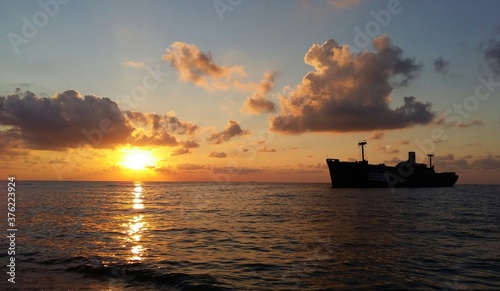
155,129
377,134
351,92
217,155
232,129
404,141
132,64
444,121
192,167
492,54
344,4
475,122
190,144
180,152
489,162
11,145
440,65
388,149
258,103
312,166
63,121
447,157
68,120
199,68
266,150
236,170
185,148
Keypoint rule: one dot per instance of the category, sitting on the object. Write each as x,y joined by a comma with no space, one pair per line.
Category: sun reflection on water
138,196
136,226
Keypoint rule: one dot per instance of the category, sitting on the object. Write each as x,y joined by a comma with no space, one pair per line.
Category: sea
249,236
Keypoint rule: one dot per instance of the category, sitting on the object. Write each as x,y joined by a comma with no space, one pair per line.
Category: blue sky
92,46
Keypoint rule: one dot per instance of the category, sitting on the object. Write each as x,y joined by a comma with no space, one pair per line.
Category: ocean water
251,236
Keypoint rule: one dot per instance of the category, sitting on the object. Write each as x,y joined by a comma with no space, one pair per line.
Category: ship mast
430,159
362,144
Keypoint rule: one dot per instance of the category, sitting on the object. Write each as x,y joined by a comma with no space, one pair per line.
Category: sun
137,159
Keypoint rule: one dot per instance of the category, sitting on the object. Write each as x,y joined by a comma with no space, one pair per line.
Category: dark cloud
232,129
68,120
190,144
490,162
447,157
180,152
64,120
192,167
450,162
458,124
236,170
492,54
11,145
217,155
352,92
312,166
185,148
440,65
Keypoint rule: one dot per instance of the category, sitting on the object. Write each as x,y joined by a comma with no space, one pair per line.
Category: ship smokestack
362,144
411,157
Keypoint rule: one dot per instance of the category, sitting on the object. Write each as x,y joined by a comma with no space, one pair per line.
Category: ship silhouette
408,173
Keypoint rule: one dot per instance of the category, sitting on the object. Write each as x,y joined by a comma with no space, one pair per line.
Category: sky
239,90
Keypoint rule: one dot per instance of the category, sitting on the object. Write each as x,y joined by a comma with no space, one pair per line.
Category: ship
406,174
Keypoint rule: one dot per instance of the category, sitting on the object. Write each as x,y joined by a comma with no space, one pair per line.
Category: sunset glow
247,90
137,159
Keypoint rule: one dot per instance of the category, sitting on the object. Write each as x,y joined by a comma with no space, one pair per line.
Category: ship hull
364,175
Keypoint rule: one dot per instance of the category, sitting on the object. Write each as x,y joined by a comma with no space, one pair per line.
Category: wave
133,274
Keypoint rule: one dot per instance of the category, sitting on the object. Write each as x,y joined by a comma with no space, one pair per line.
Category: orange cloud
344,3
377,134
199,68
258,103
232,129
135,65
217,155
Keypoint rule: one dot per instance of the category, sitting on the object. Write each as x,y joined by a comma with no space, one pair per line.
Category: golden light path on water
136,226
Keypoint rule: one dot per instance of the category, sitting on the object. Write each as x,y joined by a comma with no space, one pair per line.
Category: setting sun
137,159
